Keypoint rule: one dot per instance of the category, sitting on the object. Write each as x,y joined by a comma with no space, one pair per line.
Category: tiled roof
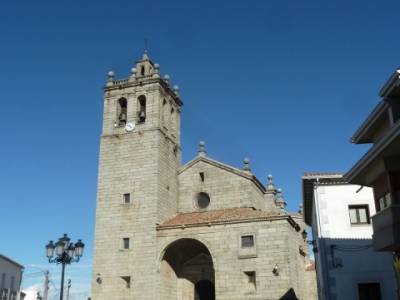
215,216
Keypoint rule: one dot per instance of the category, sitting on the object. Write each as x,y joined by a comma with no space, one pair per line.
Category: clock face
129,126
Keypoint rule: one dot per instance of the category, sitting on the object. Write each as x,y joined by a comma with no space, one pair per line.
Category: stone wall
227,189
274,240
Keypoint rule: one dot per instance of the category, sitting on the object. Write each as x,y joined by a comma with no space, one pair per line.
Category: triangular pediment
222,166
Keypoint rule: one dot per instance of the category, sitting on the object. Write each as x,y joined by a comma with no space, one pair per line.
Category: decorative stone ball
156,66
166,77
176,88
133,70
202,143
269,176
110,74
246,161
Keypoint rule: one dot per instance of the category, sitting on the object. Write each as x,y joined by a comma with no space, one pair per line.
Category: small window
385,201
203,200
251,278
201,176
172,120
142,70
359,214
369,291
127,198
125,243
127,280
247,241
165,114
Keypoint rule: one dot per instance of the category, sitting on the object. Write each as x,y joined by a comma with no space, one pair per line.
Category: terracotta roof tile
231,214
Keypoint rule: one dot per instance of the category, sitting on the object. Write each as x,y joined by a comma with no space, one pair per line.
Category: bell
122,116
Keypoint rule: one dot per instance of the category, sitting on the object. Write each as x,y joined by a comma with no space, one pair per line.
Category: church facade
200,231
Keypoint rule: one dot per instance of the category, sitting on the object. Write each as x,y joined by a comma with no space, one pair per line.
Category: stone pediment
222,166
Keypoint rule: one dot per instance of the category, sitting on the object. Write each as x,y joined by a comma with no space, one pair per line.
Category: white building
10,279
340,217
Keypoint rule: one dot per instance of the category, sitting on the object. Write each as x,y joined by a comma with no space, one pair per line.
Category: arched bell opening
122,110
187,271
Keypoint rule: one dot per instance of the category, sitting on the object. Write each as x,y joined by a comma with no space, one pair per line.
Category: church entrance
187,271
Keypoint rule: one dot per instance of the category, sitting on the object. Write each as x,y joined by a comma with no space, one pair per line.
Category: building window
369,291
359,214
251,278
165,113
142,70
142,109
127,198
172,120
127,280
247,241
3,281
122,111
385,201
202,176
125,243
203,200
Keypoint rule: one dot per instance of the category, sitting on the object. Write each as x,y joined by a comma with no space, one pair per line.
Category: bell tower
137,181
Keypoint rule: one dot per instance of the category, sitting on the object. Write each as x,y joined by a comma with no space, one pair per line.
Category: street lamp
66,253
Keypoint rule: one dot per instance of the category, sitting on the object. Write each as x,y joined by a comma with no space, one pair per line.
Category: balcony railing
386,225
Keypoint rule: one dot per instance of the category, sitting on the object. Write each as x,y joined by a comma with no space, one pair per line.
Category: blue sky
285,83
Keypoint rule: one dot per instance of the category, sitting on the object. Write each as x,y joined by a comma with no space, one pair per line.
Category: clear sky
285,83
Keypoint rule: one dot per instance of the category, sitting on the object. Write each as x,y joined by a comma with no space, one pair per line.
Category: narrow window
125,243
359,214
142,70
172,120
201,176
127,198
385,201
127,280
165,113
369,291
12,285
122,111
247,241
3,281
142,109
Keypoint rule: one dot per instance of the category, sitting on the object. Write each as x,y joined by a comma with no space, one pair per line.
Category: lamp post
66,253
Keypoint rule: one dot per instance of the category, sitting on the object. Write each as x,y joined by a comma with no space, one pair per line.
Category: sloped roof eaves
309,180
359,136
229,221
373,153
11,261
226,167
391,83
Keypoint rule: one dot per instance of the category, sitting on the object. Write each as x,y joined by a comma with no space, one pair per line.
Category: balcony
386,225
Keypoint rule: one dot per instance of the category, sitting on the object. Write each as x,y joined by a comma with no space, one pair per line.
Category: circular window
203,200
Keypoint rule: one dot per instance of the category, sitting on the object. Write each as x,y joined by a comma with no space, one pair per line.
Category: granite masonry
199,231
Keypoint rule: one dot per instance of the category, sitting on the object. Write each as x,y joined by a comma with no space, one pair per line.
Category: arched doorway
187,271
204,290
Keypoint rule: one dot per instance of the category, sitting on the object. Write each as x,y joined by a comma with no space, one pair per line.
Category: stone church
200,231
